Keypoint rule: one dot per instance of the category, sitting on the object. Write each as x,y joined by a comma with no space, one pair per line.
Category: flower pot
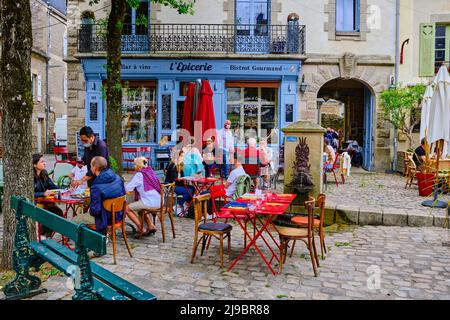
425,182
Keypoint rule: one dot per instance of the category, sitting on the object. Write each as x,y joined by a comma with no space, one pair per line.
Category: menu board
166,108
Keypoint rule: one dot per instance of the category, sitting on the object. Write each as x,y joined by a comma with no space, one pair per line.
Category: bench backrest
88,238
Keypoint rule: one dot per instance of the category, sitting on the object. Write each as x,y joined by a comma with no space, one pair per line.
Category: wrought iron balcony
191,38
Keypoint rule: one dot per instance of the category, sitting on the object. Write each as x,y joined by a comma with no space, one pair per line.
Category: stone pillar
314,139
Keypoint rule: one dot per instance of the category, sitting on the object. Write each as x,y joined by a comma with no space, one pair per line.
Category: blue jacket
107,185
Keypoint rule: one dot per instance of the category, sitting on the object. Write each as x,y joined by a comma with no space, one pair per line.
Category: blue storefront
256,94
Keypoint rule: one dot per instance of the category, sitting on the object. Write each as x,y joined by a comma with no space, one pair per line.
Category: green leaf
281,296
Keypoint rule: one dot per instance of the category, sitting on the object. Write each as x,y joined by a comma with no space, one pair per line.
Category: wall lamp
303,85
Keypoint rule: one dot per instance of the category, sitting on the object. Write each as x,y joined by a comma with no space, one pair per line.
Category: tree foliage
401,107
113,86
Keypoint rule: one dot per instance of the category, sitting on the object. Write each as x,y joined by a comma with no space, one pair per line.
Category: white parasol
425,113
439,119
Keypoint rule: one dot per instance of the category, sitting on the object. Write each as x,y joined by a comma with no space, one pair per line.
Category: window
253,16
65,88
133,19
139,114
34,84
441,46
252,110
347,15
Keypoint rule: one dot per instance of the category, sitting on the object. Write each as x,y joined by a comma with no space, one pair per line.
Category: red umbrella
205,111
187,122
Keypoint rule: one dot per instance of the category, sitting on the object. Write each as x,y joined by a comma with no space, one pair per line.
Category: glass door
252,26
253,111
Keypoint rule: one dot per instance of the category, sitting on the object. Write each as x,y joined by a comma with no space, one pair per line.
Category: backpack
243,184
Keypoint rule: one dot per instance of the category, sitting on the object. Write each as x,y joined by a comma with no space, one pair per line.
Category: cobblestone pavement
379,191
412,262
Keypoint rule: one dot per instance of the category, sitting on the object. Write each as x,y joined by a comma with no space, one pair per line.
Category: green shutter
447,43
426,54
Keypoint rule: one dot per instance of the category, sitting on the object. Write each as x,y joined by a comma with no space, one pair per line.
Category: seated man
254,160
419,156
106,185
231,183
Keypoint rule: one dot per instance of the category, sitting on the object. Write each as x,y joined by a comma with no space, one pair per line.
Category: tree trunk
16,101
113,81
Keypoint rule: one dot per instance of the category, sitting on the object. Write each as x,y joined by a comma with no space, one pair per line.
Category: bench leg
23,285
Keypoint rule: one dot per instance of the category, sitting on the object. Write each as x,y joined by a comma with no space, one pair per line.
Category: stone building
423,46
48,69
292,55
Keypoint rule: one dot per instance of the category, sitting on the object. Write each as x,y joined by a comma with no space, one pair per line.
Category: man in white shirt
231,183
78,172
225,142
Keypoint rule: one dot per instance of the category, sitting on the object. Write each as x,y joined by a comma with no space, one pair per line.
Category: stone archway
374,75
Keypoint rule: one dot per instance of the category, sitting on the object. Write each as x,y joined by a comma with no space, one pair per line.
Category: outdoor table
70,204
200,185
268,209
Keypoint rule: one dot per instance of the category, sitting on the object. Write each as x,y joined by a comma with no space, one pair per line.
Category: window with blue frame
347,16
133,19
252,17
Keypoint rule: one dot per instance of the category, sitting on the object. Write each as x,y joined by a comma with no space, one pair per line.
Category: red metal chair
129,154
62,155
146,152
332,169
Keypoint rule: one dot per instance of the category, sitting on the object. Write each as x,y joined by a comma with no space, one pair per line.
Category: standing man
225,142
93,147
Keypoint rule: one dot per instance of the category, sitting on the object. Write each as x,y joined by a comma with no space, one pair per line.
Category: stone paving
383,195
412,263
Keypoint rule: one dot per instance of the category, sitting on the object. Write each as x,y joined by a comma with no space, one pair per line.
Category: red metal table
200,185
70,204
268,209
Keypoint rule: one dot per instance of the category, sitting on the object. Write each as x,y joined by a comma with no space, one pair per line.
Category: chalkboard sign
166,113
80,148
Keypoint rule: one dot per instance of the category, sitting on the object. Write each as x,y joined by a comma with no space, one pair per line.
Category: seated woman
174,170
192,160
147,189
209,157
42,186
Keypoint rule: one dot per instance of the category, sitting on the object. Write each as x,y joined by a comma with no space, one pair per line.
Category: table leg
253,242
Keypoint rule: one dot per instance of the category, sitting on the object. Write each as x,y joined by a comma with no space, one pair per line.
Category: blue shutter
347,15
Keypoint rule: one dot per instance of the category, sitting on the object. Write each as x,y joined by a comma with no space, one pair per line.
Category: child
78,172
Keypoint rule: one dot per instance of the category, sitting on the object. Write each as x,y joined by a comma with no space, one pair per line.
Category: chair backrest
115,205
335,163
218,194
243,184
61,169
309,205
321,205
167,192
411,163
200,209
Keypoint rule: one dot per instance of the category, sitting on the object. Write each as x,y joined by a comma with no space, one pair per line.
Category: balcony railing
189,38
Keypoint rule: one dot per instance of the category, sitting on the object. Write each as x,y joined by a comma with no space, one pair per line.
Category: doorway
347,106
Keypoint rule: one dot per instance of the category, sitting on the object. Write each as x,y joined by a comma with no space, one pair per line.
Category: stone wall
76,82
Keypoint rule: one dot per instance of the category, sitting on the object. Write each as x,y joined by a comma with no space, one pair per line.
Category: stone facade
373,73
367,57
49,34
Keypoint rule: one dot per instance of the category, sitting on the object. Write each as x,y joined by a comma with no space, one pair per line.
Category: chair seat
292,232
304,221
117,225
215,226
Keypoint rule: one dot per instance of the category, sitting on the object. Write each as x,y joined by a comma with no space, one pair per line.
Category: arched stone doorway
347,106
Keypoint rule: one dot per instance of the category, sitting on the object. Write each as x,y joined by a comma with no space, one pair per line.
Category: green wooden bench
91,281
